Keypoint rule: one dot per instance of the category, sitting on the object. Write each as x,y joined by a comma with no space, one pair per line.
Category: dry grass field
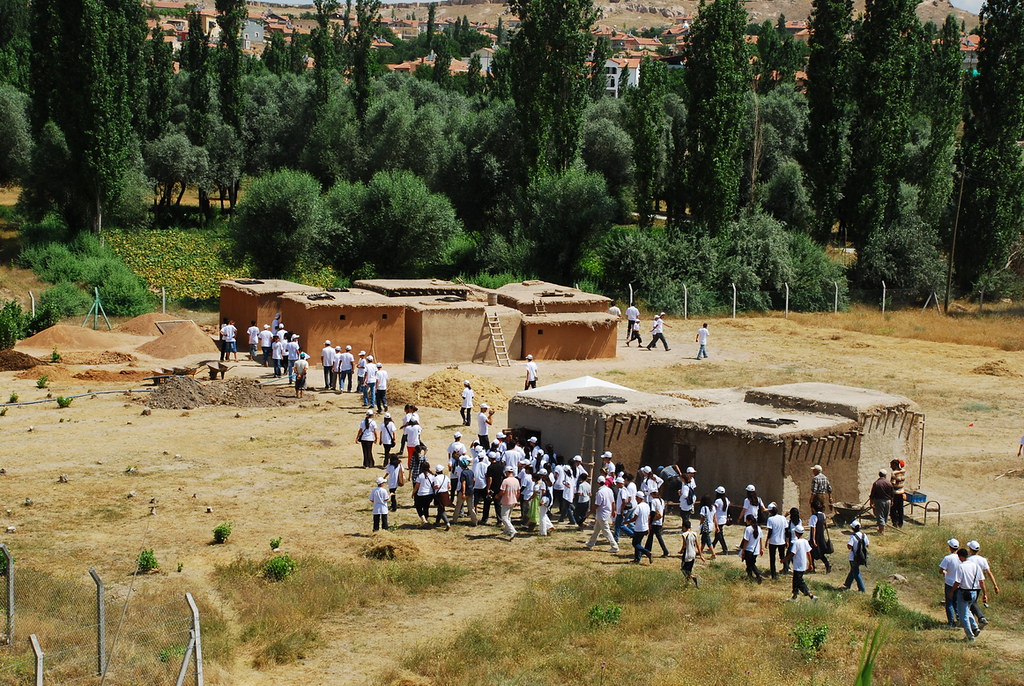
471,608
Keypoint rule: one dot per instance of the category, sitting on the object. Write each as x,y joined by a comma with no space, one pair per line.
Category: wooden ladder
539,306
498,340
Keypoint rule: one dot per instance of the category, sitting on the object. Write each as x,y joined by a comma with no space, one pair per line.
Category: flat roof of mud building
353,297
527,292
267,286
413,287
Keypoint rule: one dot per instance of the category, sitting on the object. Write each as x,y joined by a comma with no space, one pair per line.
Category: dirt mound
384,545
111,376
53,372
443,389
64,337
995,368
185,393
108,357
12,360
143,325
183,340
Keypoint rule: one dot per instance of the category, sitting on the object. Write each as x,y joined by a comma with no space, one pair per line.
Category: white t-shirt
689,546
615,311
643,517
327,357
229,331
293,350
300,367
393,471
281,333
456,448
387,433
748,508
412,435
855,541
367,427
702,336
624,497
799,547
278,351
687,495
980,561
632,313
382,379
722,510
970,575
949,566
657,326
777,530
559,475
346,361
481,424
568,484
708,513
480,474
531,371
371,374
752,535
361,367
379,497
525,485
651,484
254,334
513,458
657,506
467,398
603,500
266,338
583,492
424,484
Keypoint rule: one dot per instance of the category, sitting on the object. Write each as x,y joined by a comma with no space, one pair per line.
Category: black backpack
860,552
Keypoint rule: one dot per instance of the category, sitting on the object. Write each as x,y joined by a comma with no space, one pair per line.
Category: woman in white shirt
277,354
387,435
752,547
752,504
707,525
583,490
819,536
379,498
657,505
793,520
442,496
466,408
721,519
543,491
424,492
396,478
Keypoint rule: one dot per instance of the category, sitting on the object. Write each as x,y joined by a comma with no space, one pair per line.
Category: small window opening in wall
341,317
540,332
384,316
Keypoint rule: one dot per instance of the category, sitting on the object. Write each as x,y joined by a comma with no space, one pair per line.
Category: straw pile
181,341
443,390
384,545
995,368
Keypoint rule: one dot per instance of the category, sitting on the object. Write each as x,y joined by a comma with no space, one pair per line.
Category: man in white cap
603,511
777,526
366,436
800,556
658,333
336,369
483,420
370,381
266,343
721,518
300,369
820,488
327,358
508,497
361,374
346,361
442,496
701,340
382,387
466,408
858,546
293,355
379,497
688,492
531,373
254,339
948,567
974,549
969,584
640,518
624,500
455,449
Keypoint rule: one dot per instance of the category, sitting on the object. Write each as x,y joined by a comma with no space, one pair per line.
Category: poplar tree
431,24
231,19
322,47
159,73
992,217
598,78
828,83
14,43
360,43
717,79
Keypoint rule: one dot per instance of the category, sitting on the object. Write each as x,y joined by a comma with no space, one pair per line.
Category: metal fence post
101,625
198,638
734,301
9,559
883,297
186,659
163,297
38,651
835,303
787,300
33,299
686,302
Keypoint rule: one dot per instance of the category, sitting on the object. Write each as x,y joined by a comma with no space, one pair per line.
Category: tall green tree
360,42
598,77
159,73
14,43
474,78
778,56
828,96
992,216
275,55
548,78
431,24
231,19
646,117
323,48
195,61
880,132
717,78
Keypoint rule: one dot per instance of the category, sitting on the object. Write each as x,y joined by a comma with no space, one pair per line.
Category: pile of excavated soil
185,393
64,337
107,357
995,368
127,376
443,390
181,341
143,325
384,545
53,372
12,360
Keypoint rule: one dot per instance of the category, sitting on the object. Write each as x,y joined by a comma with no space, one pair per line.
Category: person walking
424,492
442,496
278,354
897,479
294,350
346,362
379,498
974,550
543,495
382,387
640,519
821,544
776,525
366,436
970,582
484,420
752,504
603,512
396,479
657,506
254,339
800,557
707,525
701,339
634,334
881,499
688,492
792,521
370,382
721,519
582,505
623,500
821,489
689,552
361,375
495,474
327,359
508,496
412,431
466,492
266,344
632,320
531,373
228,332
752,547
387,435
466,408
658,332
858,557
300,369
948,567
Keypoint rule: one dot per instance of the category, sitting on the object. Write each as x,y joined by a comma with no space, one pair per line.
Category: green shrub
146,561
66,299
275,543
810,638
53,262
610,614
63,401
13,398
221,533
884,600
123,294
279,568
12,324
55,356
51,229
42,381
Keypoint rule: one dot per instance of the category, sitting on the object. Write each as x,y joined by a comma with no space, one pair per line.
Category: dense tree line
526,170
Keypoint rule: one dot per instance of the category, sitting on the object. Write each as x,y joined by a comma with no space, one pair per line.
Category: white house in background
253,35
621,73
486,56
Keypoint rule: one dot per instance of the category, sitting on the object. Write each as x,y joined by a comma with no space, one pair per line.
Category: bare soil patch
184,393
443,389
183,340
144,324
113,376
12,361
106,357
53,372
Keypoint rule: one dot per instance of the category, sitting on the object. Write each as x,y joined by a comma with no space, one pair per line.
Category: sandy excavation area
291,468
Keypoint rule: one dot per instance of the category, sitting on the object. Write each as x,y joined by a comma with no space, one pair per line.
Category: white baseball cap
606,454
799,528
577,459
387,415
380,480
953,543
691,470
533,439
772,506
542,472
294,336
484,406
816,467
369,358
750,487
619,480
379,365
465,383
529,357
337,347
439,468
500,435
974,545
639,495
266,326
720,489
369,413
646,470
348,347
855,524
327,342
508,468
458,435
362,353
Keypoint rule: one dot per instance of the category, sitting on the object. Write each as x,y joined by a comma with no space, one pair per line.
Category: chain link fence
84,633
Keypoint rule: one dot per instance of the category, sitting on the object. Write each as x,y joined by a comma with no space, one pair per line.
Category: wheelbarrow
847,512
